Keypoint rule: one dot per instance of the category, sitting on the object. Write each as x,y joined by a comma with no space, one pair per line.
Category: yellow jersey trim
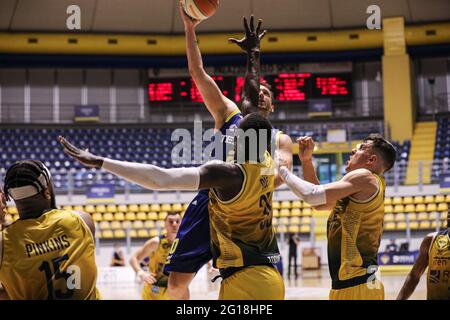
244,183
235,112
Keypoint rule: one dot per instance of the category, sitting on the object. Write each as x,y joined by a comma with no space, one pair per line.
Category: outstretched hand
252,37
83,156
188,21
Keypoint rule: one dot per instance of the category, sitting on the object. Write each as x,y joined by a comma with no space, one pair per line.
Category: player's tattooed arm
421,264
251,45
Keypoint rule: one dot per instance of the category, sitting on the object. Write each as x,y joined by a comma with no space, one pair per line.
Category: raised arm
305,151
251,45
284,152
217,104
421,264
357,182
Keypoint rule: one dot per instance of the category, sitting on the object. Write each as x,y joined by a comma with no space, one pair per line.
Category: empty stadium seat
296,212
108,216
400,225
111,208
275,205
137,224
387,201
306,212
177,207
425,225
389,217
143,233
276,212
408,200
97,216
285,205
431,207
412,216
155,207
306,220
166,207
152,215
400,217
153,233
421,207
119,216
104,225
100,208
116,225
410,208
126,225
162,215
397,200
119,234
130,216
305,229
296,204
295,220
421,216
133,208
414,225
107,234
149,224
78,208
388,209
68,208
418,199
144,208
122,208
285,212
439,198
133,233
429,199
398,208
141,216
442,206
89,209
389,226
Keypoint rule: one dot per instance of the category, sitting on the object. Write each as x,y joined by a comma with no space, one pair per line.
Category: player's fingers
252,23
247,30
258,26
262,34
233,40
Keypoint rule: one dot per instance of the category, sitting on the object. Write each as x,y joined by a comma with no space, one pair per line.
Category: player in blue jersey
191,250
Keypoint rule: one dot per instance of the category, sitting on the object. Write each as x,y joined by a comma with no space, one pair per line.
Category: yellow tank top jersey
158,259
50,257
241,228
438,278
354,232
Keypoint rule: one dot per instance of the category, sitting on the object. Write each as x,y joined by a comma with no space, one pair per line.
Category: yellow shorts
154,293
373,290
253,283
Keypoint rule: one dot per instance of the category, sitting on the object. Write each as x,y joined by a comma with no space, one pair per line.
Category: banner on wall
100,193
444,184
320,108
397,258
87,113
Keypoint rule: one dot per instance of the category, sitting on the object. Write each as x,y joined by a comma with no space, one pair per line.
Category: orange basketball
200,9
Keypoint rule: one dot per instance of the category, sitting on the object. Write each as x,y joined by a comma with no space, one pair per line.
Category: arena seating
147,220
442,147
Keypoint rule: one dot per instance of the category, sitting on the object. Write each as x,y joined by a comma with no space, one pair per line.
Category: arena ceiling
161,16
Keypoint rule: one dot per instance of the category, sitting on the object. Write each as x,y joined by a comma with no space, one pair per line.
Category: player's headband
43,181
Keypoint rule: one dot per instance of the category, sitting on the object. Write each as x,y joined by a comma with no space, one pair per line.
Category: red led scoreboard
285,86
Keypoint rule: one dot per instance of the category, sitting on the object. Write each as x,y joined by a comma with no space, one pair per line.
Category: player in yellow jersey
54,248
3,224
355,224
157,249
240,206
434,253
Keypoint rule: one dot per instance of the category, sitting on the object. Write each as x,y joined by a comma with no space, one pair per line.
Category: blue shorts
191,249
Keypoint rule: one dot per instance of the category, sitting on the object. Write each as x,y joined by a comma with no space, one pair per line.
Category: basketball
200,9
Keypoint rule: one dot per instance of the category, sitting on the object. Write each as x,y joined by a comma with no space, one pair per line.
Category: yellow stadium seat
421,207
422,216
398,208
444,224
119,216
177,207
276,212
144,207
295,220
389,217
306,220
133,208
387,201
108,216
107,234
130,216
155,207
429,199
275,221
284,221
185,206
112,208
100,208
434,224
138,224
307,212
443,216
439,198
397,200
418,199
166,207
410,208
425,225
119,234
431,207
400,217
401,225
408,200
414,225
442,207
293,229
285,205
104,225
141,216
116,225
68,208
297,212
281,228
433,216
126,224
296,204
143,233
78,208
285,213
12,210
447,198
122,208
133,233
389,226
153,233
412,216
162,215
152,215
388,209
149,224
160,224
305,229
90,209
306,205
97,217
276,205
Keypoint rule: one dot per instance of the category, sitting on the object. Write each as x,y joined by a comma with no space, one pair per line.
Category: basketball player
157,249
243,238
3,224
434,253
355,224
193,245
54,248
